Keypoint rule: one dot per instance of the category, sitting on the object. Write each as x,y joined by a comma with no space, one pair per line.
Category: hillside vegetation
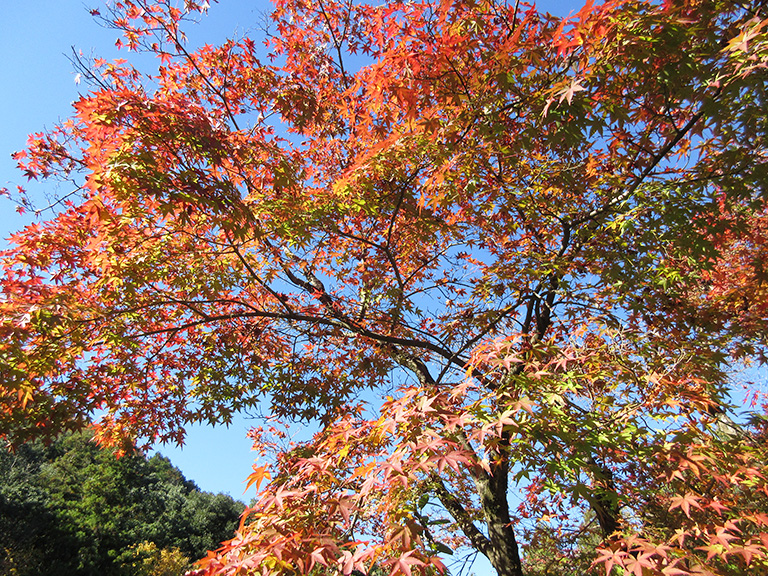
72,509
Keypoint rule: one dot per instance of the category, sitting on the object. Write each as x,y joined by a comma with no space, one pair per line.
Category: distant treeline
72,509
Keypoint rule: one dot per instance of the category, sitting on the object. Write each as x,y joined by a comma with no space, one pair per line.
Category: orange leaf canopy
500,260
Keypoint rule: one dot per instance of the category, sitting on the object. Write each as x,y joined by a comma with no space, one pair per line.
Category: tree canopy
506,264
72,509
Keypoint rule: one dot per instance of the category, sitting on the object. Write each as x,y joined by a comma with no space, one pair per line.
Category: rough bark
503,552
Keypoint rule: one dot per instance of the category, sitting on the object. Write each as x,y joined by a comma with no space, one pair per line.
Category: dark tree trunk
502,551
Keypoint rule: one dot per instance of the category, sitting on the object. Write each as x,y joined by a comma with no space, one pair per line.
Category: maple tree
503,261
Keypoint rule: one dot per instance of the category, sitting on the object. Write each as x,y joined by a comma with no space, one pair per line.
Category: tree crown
501,259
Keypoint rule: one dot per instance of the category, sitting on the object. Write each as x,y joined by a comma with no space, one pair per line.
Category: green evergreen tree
72,509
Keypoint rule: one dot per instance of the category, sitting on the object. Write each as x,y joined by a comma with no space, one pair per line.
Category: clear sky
37,89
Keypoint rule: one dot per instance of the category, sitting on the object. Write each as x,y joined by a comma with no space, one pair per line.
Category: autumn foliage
504,263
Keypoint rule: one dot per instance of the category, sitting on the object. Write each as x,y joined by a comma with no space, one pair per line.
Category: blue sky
38,88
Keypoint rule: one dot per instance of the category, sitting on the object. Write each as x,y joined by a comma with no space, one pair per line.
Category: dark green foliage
73,509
